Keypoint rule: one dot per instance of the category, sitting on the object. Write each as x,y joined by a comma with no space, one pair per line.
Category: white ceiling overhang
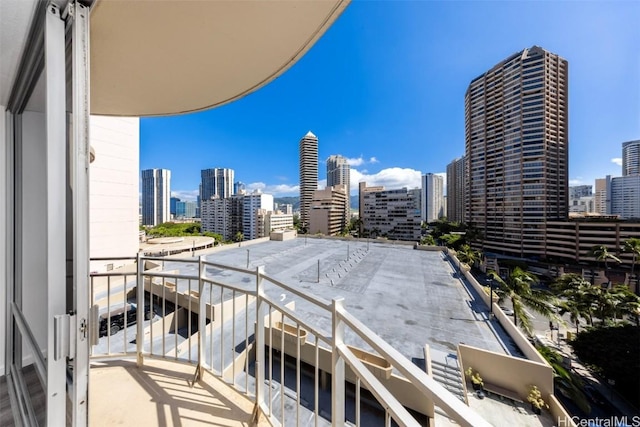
169,57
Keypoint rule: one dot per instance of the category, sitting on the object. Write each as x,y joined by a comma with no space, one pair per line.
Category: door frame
63,364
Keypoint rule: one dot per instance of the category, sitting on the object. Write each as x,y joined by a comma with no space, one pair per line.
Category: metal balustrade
241,326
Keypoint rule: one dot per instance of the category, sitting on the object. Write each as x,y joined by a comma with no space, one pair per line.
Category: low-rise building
328,213
269,221
391,213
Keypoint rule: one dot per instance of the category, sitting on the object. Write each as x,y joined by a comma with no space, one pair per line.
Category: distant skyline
384,87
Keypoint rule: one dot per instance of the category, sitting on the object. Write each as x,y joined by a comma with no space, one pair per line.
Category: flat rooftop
408,297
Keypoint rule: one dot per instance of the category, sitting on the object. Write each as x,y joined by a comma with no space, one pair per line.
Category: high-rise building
285,208
217,182
391,213
602,200
631,158
516,132
327,214
577,191
432,197
362,192
172,205
623,195
308,175
339,173
223,216
185,209
456,190
239,187
581,199
156,192
251,204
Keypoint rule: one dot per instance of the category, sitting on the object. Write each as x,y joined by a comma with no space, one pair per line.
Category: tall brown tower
516,125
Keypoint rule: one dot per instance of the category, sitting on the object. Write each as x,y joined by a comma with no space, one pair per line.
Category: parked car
506,310
114,320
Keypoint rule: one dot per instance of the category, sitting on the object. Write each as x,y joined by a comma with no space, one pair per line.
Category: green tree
239,237
575,298
473,234
218,237
566,382
632,246
468,255
428,240
517,288
625,303
453,241
601,253
613,352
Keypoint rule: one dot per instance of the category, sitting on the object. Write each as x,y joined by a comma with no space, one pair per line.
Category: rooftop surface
408,297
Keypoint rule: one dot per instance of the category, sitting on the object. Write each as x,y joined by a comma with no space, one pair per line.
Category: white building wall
253,202
432,197
114,183
625,196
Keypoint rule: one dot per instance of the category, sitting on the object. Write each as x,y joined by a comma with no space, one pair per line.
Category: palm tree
601,253
626,303
632,246
576,298
517,288
468,255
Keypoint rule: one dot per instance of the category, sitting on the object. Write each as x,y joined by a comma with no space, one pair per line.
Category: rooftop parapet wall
514,332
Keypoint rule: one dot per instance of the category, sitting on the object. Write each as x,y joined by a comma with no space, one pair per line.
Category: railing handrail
290,314
111,258
322,303
454,408
338,314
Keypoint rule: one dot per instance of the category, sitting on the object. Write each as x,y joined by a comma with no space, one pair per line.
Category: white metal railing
227,321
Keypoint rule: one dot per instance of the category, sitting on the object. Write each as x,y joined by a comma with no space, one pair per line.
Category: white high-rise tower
308,175
156,195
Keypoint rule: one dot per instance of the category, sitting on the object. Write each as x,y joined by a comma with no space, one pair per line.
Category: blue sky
385,88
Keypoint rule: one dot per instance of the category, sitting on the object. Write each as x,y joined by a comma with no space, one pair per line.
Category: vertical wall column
337,365
79,168
259,336
55,238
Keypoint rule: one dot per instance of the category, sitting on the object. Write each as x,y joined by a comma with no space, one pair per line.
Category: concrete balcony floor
160,394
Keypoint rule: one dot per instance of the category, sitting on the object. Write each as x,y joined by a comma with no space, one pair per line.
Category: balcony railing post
337,365
259,336
140,305
202,317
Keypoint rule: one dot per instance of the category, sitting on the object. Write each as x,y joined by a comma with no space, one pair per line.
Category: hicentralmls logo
622,421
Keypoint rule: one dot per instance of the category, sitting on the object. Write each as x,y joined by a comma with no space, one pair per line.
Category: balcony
215,343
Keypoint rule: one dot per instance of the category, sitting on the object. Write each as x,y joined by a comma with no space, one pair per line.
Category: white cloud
617,161
390,178
185,195
576,181
355,162
359,161
277,190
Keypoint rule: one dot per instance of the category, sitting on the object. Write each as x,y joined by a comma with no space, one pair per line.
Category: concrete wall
514,332
509,372
428,248
114,187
